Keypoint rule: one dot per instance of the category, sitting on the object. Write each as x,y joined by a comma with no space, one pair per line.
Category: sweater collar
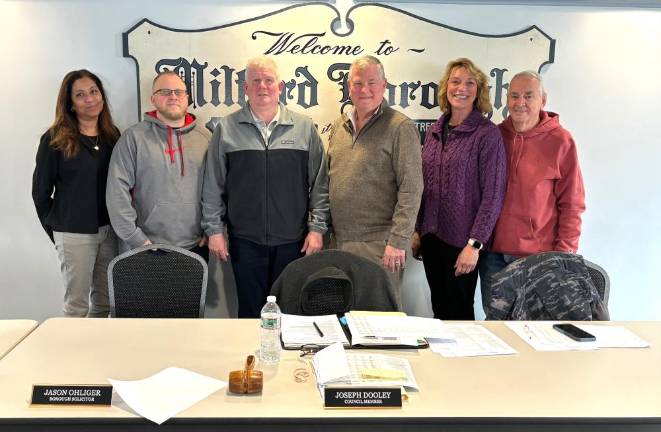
348,116
469,124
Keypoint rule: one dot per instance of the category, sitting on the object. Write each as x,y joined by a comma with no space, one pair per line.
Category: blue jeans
491,263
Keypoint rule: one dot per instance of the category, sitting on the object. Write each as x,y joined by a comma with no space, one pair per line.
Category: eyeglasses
168,92
309,350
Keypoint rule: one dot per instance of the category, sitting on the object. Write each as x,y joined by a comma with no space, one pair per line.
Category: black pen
318,329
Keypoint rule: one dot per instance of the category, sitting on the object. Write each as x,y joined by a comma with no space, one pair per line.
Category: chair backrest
328,291
332,282
600,279
157,281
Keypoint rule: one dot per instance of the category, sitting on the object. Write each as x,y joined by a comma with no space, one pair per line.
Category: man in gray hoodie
156,171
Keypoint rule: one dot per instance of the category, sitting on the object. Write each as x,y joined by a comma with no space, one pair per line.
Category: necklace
94,142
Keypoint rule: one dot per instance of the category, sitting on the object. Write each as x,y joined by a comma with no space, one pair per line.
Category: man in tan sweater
375,173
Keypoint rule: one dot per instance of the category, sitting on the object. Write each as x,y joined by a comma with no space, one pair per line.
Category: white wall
604,83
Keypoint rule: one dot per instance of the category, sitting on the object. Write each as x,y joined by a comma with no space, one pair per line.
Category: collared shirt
352,119
266,129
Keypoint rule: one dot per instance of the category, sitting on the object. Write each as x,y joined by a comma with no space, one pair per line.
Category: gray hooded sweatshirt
155,181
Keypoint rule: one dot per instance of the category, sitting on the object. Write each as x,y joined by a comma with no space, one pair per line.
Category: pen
318,329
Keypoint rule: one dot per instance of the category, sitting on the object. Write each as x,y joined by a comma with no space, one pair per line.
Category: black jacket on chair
363,284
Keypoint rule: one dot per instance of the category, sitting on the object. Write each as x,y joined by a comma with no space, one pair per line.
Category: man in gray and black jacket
265,188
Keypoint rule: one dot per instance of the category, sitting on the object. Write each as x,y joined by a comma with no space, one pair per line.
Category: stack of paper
333,365
541,336
393,330
470,340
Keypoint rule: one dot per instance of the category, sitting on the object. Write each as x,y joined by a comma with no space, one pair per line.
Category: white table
608,389
12,332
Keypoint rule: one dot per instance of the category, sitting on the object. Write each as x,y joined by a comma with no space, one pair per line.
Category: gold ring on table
301,375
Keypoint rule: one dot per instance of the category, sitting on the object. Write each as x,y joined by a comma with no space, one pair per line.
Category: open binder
357,330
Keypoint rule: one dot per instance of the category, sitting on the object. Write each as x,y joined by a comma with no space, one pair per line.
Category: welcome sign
314,44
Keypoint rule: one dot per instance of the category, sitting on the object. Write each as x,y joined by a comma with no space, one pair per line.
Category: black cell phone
574,332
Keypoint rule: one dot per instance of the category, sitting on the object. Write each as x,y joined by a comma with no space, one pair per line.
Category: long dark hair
64,131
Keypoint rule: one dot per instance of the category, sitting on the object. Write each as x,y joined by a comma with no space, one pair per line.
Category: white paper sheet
614,336
470,340
330,363
542,337
393,330
299,330
166,393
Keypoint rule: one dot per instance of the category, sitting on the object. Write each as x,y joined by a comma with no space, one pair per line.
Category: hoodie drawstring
180,149
181,152
170,151
515,157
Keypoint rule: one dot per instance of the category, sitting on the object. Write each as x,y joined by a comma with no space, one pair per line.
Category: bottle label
270,323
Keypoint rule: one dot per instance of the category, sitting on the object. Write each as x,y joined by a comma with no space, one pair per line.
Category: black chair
157,281
600,279
333,282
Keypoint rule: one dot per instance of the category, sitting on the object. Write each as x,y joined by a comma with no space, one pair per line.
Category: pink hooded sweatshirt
545,195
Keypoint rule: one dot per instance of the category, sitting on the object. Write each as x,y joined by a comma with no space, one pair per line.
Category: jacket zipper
266,188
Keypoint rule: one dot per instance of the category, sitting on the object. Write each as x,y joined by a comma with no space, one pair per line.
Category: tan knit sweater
375,182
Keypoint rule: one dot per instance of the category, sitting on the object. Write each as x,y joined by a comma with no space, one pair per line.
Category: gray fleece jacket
155,183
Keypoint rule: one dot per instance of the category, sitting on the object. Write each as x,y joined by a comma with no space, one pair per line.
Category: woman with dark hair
69,187
463,167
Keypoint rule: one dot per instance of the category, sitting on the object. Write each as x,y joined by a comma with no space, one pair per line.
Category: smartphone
574,332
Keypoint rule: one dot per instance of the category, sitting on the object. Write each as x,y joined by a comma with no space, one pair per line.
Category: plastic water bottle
269,350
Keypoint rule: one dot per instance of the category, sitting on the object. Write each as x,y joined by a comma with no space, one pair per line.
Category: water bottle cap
270,299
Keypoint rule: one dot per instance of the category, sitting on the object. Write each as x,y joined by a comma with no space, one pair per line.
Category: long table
608,389
12,332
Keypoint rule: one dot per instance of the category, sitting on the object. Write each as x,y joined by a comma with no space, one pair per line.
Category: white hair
531,74
262,62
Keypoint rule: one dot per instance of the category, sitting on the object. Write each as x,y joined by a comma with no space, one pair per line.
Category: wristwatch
475,243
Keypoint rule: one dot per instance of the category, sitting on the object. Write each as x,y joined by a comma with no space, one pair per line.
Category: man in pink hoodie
545,195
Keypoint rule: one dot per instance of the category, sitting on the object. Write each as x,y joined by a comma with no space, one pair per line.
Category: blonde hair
482,101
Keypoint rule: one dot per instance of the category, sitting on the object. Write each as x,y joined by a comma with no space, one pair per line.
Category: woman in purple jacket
464,170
